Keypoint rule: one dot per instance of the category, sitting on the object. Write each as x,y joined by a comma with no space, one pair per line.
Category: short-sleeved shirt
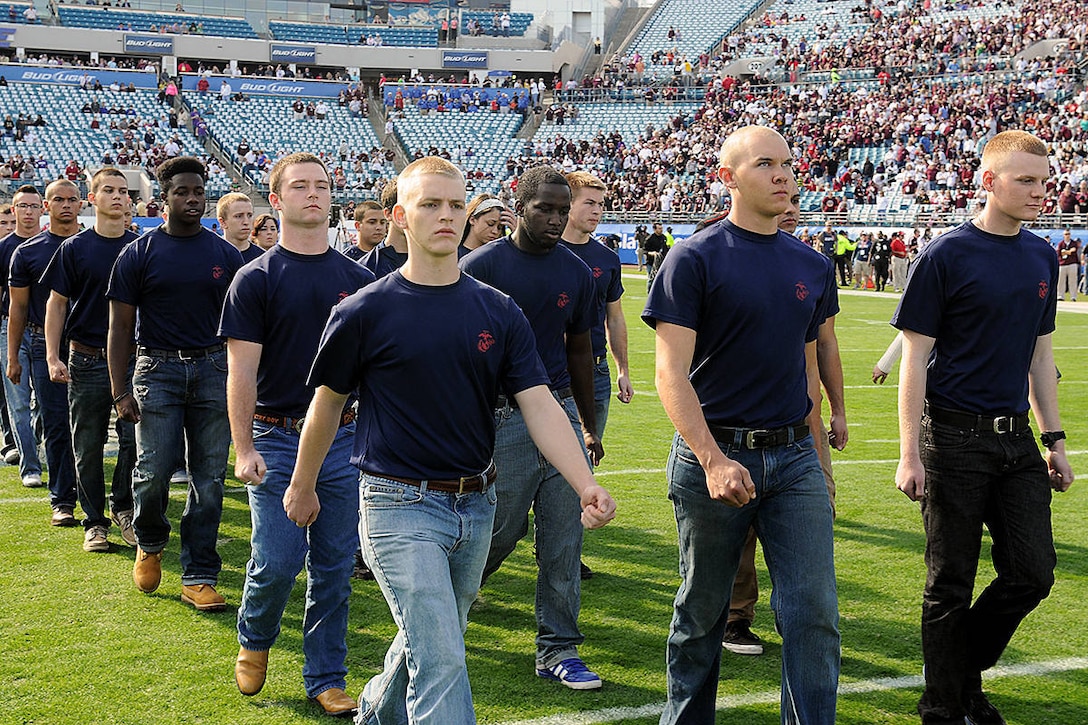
985,299
754,301
7,248
28,264
554,290
383,259
282,302
80,270
607,272
177,285
429,364
354,253
250,253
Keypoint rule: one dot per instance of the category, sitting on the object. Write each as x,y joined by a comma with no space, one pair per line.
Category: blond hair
222,207
1005,143
579,180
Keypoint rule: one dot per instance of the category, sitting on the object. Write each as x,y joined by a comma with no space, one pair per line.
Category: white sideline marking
770,697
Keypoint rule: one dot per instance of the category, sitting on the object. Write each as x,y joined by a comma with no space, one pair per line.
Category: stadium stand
488,23
407,36
695,27
103,18
14,12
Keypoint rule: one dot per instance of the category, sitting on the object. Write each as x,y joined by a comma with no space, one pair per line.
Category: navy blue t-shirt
80,270
282,302
607,273
383,259
986,299
7,248
754,301
429,364
28,264
354,253
177,285
251,252
554,290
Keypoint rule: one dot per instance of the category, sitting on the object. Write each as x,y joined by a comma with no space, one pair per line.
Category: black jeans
975,478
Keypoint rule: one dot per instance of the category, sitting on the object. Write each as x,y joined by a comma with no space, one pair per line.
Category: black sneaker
980,711
739,639
586,572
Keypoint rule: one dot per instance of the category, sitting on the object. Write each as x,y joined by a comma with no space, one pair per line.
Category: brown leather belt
181,354
95,352
295,424
465,484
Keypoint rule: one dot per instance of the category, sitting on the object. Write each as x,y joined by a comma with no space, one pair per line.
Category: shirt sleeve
677,292
522,368
58,273
922,304
124,283
339,361
244,309
20,275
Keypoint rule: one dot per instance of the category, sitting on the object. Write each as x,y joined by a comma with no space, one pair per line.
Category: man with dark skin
177,277
555,291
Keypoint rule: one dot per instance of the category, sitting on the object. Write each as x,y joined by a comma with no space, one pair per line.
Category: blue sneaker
573,673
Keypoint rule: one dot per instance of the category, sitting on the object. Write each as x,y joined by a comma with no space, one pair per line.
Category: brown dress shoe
336,703
63,516
250,670
203,597
147,571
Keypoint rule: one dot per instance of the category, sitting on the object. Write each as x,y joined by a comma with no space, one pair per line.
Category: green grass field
79,644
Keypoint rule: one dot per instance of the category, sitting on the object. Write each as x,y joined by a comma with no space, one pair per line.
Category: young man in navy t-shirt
392,252
27,313
425,440
371,227
977,319
78,311
27,203
167,291
555,291
272,319
737,310
235,214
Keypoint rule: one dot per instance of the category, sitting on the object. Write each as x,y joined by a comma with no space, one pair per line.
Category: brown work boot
250,670
203,597
63,516
336,703
147,571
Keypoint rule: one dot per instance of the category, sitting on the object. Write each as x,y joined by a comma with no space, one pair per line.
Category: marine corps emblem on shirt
217,272
801,291
597,272
1043,289
484,341
563,300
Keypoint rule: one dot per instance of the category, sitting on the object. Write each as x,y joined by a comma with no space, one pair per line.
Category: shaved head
738,145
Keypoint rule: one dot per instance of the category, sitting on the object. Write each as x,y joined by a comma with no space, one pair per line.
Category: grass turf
81,645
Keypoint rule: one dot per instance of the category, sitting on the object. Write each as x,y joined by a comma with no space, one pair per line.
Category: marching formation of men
417,398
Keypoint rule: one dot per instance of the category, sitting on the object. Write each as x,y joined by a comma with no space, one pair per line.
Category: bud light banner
289,87
293,54
157,44
76,76
464,58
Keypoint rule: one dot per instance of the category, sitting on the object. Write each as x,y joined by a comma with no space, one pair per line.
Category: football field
81,645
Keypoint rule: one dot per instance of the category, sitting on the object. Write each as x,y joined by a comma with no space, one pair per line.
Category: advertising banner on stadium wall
419,12
464,58
280,53
626,245
288,87
73,76
157,44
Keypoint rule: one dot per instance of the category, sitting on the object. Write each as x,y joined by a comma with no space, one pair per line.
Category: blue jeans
53,404
427,550
602,394
280,549
90,403
792,516
526,480
17,399
177,396
973,479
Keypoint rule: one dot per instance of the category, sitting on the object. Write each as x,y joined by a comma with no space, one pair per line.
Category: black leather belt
95,352
465,484
999,424
504,401
295,424
36,329
600,359
753,438
181,354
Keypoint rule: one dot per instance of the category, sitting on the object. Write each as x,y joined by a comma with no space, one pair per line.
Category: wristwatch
1051,437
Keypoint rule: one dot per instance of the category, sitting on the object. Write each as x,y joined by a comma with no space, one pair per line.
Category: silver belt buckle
750,437
1003,424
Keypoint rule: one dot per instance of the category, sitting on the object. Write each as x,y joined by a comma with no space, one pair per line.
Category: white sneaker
180,476
32,480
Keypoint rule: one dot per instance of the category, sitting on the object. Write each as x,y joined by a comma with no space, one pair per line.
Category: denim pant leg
711,538
428,551
971,480
89,402
158,385
794,522
17,398
53,401
207,435
602,395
